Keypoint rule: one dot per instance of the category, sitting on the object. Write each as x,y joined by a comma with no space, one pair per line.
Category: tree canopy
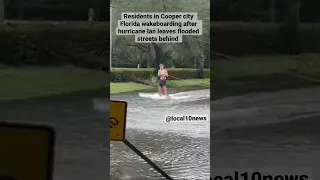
189,53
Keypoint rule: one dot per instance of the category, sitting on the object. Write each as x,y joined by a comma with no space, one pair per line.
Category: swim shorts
163,83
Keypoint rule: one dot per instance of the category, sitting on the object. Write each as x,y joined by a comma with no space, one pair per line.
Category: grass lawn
189,83
264,74
29,82
250,66
132,87
128,87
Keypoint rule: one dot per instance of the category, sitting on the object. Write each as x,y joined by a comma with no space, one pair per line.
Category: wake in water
181,96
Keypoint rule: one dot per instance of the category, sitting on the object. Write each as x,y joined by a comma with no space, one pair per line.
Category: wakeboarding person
162,74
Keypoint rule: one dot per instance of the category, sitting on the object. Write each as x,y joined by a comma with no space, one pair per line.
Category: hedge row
40,43
260,38
126,75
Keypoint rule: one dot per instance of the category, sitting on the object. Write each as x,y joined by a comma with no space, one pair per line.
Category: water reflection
267,130
82,146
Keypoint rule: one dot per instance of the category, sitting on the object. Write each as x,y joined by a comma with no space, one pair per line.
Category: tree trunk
201,68
150,56
158,52
2,9
292,27
148,64
98,10
21,9
272,12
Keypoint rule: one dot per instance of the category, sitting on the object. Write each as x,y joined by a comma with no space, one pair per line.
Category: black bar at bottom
134,149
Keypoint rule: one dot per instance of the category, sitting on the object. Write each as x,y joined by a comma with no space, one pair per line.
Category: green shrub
54,44
260,38
143,74
126,75
172,84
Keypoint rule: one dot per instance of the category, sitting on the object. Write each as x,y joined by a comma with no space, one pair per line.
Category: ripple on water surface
267,130
181,149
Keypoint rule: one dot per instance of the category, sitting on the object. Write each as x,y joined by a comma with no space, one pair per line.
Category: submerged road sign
118,117
26,152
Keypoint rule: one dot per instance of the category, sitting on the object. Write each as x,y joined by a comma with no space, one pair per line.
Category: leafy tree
182,54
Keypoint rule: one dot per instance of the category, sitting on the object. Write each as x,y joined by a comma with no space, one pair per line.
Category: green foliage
128,75
260,38
179,55
264,73
257,11
148,74
23,83
48,44
172,84
84,45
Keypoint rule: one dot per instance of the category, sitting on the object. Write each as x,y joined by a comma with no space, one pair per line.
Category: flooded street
82,145
181,148
254,131
267,130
